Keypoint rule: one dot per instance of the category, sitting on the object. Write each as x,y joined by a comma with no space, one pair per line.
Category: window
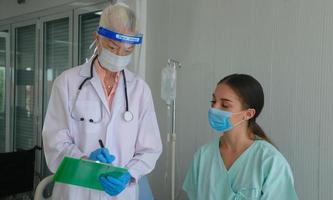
25,87
4,59
88,24
57,47
2,74
57,52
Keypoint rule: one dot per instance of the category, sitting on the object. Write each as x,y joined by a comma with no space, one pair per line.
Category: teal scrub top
260,173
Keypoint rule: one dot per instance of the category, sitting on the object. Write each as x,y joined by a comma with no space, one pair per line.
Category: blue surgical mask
220,120
112,61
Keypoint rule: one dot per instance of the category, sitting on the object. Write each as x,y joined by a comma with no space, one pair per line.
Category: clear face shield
118,51
118,41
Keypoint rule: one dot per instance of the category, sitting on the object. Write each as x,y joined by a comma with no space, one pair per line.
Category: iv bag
168,84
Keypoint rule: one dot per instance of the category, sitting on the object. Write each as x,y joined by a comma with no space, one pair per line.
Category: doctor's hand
102,155
114,186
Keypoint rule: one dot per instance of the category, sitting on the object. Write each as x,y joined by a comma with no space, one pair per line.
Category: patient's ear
250,113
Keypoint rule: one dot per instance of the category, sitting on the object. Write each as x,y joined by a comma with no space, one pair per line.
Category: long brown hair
251,94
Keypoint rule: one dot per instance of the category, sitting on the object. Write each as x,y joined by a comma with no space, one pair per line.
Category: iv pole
174,64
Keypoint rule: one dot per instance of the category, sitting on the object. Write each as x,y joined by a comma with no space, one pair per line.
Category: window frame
14,26
40,167
44,20
8,135
76,26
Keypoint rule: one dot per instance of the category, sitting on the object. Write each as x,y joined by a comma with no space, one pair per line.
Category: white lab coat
136,145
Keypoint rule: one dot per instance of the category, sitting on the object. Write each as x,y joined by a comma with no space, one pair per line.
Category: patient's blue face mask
220,120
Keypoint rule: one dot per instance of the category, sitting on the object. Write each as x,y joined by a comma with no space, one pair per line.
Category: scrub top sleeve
148,146
57,140
190,182
279,183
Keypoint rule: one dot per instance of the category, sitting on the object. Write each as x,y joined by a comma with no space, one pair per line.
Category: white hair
118,17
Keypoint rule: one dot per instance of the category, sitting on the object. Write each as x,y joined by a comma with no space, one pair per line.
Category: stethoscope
128,116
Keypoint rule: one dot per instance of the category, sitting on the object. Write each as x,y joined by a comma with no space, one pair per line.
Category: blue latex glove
102,155
114,186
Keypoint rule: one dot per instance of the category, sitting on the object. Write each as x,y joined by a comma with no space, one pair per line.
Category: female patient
241,164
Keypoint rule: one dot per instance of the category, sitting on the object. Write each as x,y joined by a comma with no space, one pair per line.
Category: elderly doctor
102,100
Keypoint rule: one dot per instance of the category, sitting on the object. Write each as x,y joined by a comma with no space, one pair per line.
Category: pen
101,143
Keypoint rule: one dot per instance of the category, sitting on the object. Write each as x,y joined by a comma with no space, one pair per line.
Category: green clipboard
85,173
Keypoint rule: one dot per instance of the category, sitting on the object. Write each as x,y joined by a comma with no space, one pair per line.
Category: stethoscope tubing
128,116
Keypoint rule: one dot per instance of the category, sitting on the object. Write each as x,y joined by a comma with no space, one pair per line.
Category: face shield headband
129,39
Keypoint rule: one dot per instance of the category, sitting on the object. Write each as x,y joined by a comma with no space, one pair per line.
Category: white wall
157,54
286,44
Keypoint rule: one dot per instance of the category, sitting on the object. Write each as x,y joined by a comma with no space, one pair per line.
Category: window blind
88,24
25,67
56,52
2,94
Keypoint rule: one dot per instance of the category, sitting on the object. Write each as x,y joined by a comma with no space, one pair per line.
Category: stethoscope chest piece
128,116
